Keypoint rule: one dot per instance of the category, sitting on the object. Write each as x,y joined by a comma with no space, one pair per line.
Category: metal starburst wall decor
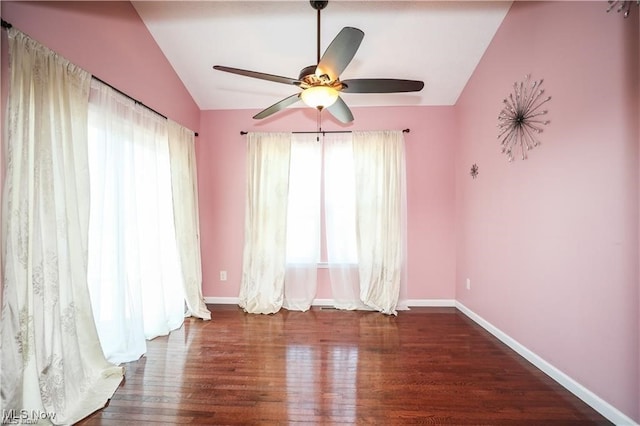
474,171
622,6
520,122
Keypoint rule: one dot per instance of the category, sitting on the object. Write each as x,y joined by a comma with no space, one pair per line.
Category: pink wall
220,151
551,243
109,40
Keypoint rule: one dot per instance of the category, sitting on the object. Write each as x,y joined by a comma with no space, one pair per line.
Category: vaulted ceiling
438,42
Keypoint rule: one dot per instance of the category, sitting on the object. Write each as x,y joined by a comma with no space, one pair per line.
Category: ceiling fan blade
277,106
260,75
339,53
381,85
341,111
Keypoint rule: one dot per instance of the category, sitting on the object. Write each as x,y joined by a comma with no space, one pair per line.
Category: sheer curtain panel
379,161
340,221
185,211
135,278
264,257
303,222
51,358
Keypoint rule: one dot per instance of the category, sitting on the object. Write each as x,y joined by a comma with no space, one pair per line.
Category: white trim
215,300
221,300
235,300
448,303
329,302
322,302
410,303
593,400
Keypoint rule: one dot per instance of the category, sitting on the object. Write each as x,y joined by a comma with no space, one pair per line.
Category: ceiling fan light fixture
319,97
321,84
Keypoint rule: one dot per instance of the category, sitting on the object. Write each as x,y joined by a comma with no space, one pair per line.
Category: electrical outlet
223,275
468,284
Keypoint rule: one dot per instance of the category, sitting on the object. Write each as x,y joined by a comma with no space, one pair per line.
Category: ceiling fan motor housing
309,79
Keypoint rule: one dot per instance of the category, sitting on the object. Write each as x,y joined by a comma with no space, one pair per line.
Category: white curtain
134,271
303,222
185,210
340,221
379,160
264,257
51,358
364,218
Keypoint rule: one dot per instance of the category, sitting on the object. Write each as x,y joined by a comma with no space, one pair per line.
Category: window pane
339,199
303,213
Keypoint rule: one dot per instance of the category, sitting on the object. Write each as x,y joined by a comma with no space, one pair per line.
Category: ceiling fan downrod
318,5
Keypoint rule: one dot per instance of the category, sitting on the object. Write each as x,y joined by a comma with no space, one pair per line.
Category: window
321,209
304,204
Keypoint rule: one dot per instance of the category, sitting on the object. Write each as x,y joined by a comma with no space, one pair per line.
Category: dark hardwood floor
426,366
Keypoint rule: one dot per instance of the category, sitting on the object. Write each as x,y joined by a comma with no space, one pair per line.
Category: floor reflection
322,382
303,381
343,369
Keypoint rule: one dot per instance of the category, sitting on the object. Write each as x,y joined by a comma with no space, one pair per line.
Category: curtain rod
243,132
133,99
7,25
127,96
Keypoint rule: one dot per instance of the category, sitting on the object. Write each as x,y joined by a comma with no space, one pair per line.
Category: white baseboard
234,301
322,302
593,400
221,300
329,302
410,303
445,303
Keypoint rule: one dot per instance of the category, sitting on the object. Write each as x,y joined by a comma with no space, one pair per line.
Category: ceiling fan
321,85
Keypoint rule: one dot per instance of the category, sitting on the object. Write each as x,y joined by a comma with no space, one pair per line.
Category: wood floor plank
425,366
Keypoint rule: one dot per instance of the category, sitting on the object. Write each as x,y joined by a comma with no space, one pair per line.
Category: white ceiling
438,42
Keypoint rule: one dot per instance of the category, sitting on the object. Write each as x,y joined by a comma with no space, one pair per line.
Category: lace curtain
51,359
